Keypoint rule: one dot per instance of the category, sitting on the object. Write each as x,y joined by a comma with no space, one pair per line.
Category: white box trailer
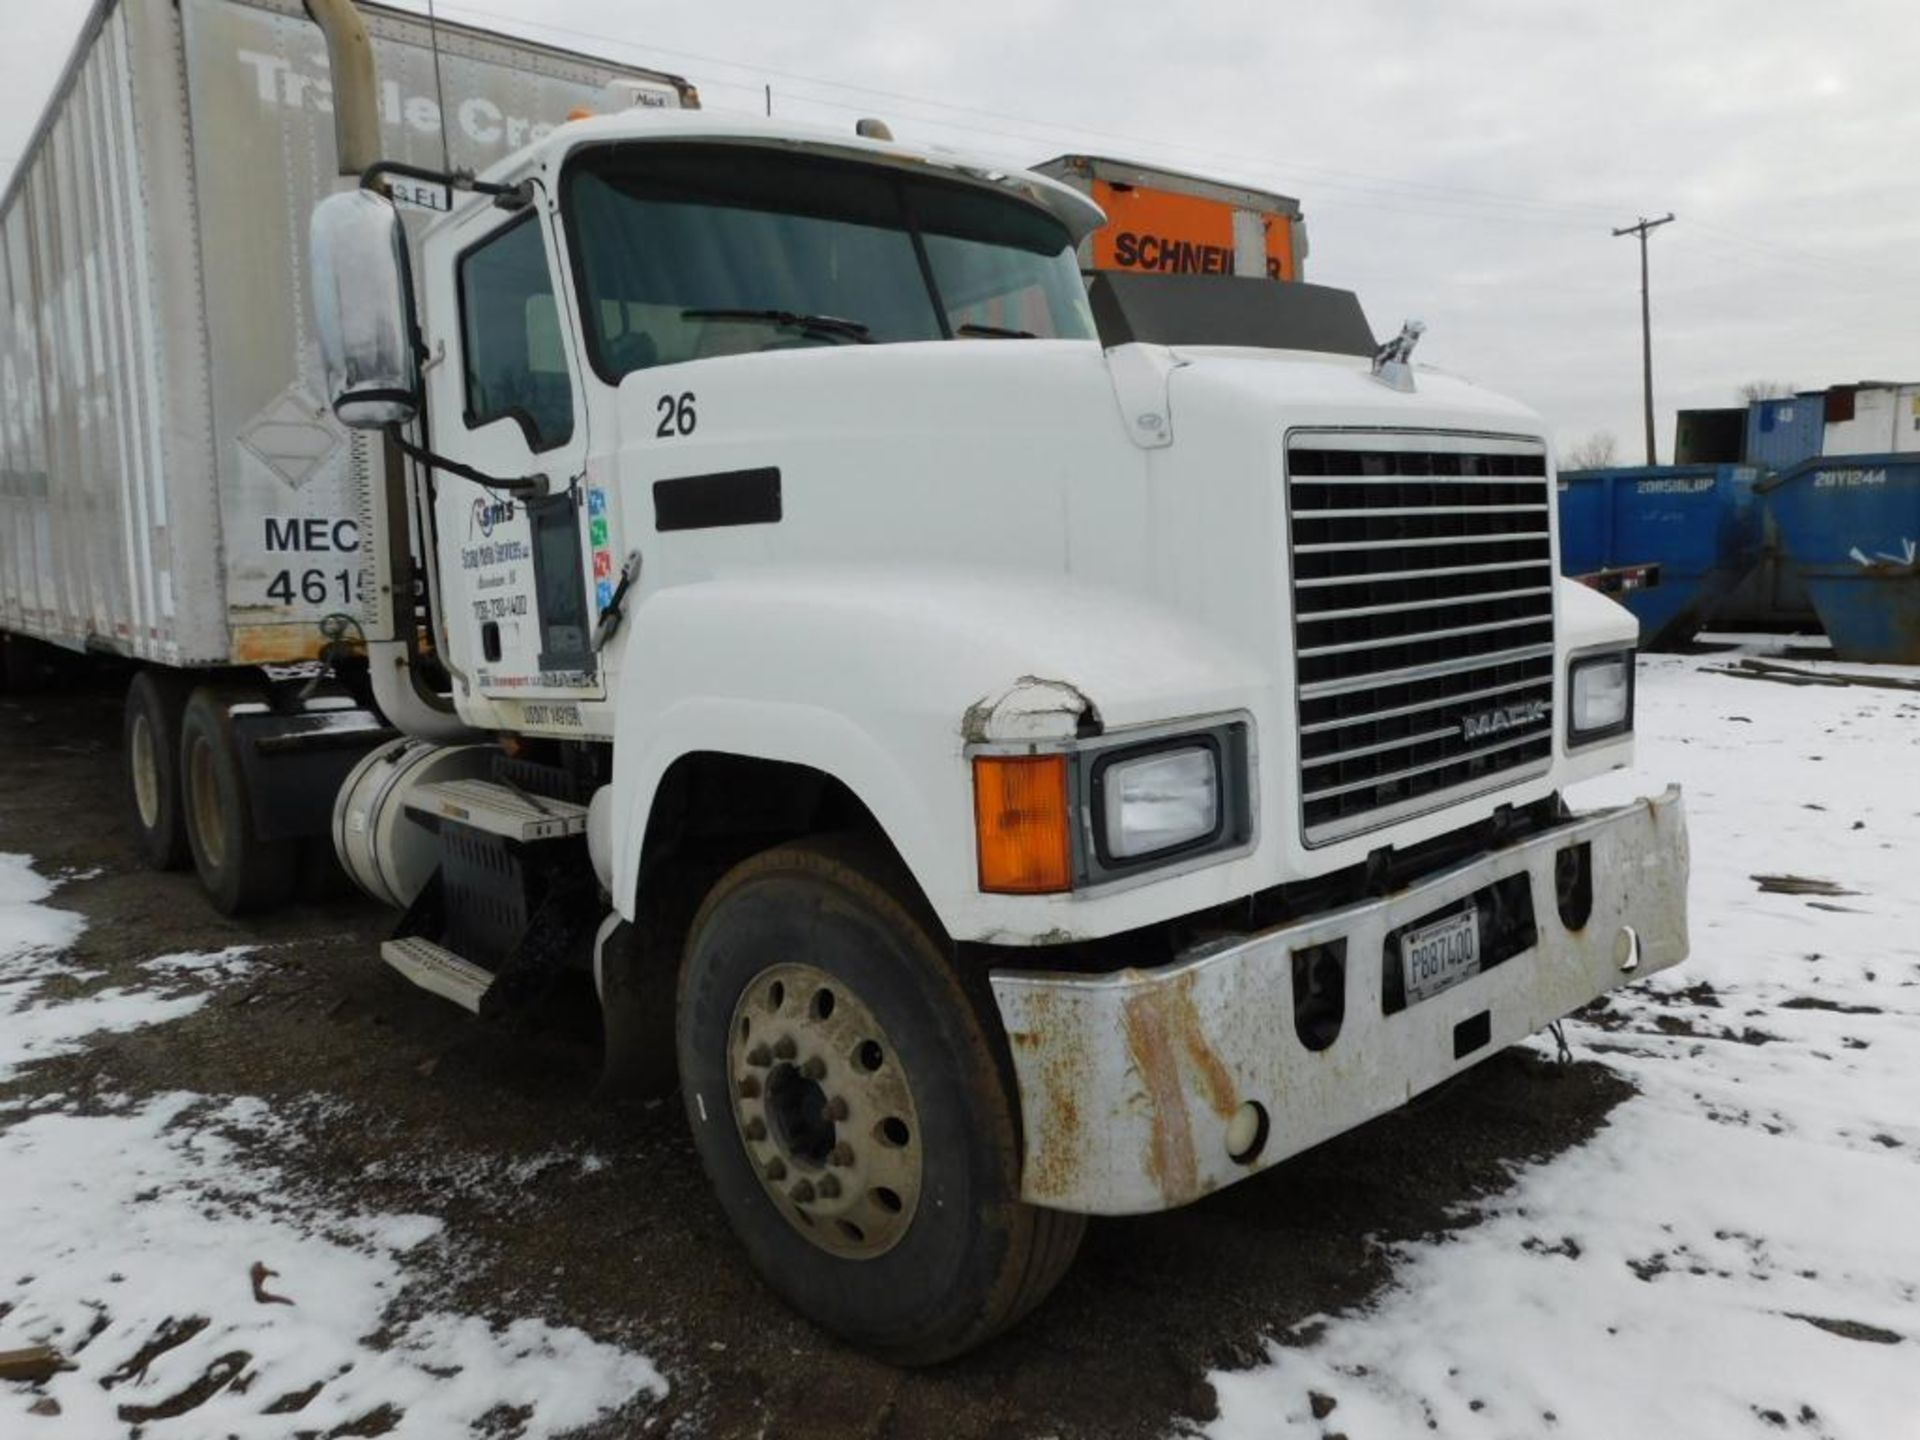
173,487
1874,417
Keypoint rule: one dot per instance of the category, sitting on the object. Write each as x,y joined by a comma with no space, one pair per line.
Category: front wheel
851,1109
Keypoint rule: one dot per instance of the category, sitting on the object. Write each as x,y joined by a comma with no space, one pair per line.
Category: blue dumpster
1666,541
1851,525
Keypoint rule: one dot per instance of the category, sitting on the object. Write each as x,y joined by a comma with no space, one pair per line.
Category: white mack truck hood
1024,457
1319,389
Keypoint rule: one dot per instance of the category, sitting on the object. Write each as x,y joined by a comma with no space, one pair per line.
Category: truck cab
1001,774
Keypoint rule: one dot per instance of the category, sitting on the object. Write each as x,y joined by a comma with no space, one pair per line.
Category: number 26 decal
676,415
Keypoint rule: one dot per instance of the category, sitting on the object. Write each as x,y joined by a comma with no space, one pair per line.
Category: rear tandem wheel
151,751
239,871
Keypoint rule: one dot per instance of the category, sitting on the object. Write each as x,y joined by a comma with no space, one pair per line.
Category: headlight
1600,697
1159,801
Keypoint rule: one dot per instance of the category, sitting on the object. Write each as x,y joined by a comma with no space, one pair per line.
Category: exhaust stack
400,687
356,105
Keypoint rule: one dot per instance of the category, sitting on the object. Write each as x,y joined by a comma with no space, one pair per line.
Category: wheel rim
145,767
825,1111
204,793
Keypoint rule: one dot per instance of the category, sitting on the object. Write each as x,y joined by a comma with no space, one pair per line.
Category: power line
1793,254
1355,189
1331,175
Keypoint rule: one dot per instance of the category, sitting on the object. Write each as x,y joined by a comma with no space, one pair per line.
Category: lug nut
802,1193
841,1155
814,1069
837,1108
776,1169
758,1056
750,1087
829,1187
756,1129
784,1048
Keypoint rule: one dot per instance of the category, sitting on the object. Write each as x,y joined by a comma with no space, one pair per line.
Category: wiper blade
791,319
996,332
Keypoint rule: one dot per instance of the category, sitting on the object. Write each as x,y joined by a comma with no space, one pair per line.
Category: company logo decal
486,515
1501,719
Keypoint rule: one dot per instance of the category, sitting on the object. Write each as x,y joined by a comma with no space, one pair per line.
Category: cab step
498,810
436,968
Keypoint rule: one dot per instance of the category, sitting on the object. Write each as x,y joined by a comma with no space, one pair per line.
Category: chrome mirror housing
363,309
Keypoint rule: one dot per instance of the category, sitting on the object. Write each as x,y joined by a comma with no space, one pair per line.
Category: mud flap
637,980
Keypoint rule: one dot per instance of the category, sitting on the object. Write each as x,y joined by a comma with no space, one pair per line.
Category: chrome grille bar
1395,712
1434,574
1435,541
1359,610
1419,672
1410,770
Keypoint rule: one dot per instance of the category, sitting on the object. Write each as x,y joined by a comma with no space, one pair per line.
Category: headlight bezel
1230,742
1626,657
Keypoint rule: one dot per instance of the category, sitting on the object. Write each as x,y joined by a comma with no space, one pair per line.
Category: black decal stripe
707,502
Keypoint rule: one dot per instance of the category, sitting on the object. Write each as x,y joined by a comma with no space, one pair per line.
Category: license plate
1440,955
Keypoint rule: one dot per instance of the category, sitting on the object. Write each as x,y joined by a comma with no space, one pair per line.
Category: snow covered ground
1738,1252
192,1285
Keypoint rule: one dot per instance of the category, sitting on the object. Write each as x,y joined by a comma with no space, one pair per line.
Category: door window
510,333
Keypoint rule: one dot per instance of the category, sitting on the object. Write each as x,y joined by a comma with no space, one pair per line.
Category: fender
881,677
1589,619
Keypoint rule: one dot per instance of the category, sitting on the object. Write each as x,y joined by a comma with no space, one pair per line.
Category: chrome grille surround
1423,621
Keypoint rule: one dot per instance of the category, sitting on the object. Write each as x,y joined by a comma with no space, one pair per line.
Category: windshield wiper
791,319
995,332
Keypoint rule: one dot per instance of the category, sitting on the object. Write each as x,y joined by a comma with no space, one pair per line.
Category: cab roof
639,126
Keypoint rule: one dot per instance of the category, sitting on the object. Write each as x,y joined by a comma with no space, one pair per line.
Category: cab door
506,398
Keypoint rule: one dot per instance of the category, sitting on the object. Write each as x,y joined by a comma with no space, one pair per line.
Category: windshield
690,251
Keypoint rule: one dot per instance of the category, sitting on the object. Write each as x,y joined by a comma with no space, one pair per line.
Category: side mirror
363,308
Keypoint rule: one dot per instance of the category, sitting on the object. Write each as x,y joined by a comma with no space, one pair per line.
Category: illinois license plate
1440,955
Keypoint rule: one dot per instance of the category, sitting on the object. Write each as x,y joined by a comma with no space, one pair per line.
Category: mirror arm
507,197
529,485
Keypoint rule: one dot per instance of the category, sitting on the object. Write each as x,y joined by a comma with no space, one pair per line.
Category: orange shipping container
1163,220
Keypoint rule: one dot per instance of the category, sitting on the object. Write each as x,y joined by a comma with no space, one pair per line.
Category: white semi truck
1008,771
174,489
1010,750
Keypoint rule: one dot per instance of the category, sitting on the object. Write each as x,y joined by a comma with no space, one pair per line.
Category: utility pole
1646,319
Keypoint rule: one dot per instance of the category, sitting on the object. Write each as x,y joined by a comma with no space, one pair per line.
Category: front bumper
1128,1081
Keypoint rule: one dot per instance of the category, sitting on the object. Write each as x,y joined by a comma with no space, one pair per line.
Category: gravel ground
560,1207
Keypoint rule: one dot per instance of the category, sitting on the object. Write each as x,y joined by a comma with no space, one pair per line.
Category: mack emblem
1502,719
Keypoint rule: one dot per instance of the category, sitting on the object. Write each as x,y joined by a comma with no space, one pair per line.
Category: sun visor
1227,310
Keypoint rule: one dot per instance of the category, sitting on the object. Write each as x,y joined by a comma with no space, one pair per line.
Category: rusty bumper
1130,1082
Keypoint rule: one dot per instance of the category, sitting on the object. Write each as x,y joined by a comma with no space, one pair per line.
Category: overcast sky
1462,162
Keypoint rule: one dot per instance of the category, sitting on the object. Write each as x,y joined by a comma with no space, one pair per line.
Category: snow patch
29,931
192,1286
173,1270
1735,1253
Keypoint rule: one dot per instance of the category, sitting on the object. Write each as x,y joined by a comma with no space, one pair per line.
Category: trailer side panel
172,486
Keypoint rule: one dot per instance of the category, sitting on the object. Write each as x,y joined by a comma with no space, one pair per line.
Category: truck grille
1423,621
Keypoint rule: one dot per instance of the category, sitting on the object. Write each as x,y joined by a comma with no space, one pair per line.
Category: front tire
852,1110
239,871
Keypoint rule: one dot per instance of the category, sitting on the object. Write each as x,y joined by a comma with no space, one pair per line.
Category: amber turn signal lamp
1021,823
